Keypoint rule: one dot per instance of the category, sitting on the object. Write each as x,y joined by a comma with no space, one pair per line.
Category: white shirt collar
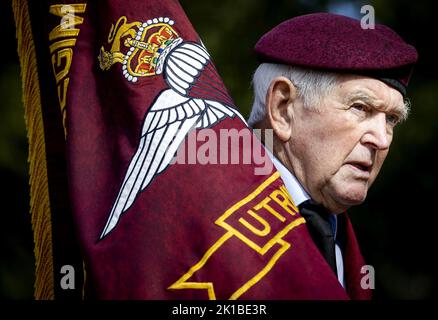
299,195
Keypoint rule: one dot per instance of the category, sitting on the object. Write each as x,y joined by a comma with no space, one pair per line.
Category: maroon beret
337,43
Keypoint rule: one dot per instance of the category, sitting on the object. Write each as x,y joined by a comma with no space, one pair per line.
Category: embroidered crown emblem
139,46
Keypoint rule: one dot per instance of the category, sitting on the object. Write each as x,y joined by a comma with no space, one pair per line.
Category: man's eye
392,119
359,107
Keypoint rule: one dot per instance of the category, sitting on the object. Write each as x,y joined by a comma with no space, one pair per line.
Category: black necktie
320,229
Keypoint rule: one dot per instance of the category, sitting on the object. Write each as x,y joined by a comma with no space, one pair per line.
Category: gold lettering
261,233
62,93
62,50
284,201
62,44
68,21
57,58
264,204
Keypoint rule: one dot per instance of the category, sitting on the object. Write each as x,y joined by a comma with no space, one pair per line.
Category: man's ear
280,99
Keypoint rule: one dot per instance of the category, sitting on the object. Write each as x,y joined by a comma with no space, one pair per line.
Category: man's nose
377,134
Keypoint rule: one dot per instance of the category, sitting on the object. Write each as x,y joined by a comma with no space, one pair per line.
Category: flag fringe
39,192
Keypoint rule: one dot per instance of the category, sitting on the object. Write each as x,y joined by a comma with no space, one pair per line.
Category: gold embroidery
275,225
62,49
137,46
69,19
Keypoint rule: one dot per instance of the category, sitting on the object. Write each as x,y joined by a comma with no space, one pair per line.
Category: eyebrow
402,110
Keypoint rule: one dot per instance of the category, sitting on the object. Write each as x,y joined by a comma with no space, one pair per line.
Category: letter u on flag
114,91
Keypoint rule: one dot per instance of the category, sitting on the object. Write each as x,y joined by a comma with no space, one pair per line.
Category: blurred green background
396,227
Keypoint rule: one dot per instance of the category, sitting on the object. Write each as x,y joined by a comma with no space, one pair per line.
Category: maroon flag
170,195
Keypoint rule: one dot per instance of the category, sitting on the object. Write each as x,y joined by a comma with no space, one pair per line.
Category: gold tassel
39,193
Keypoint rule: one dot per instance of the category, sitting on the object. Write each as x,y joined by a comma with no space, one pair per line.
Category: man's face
337,151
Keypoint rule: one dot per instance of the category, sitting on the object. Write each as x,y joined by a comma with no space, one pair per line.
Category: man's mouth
362,167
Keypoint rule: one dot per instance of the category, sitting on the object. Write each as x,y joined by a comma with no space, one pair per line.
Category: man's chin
354,199
352,196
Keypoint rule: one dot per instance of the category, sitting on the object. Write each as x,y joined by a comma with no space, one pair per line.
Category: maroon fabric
338,43
353,262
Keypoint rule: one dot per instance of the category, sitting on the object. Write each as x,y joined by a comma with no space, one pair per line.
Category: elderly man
332,93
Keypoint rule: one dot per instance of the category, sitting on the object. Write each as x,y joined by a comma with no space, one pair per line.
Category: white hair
311,86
